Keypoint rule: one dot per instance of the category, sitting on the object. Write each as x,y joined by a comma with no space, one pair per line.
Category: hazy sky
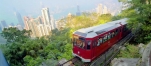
33,7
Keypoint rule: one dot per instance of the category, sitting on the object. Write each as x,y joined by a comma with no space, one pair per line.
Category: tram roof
91,32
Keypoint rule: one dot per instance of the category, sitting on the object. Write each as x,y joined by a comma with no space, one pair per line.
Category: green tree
14,54
139,15
123,1
13,34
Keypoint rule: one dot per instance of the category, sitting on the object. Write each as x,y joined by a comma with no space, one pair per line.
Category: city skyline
57,8
40,26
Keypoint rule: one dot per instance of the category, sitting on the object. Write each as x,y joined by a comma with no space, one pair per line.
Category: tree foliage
139,15
13,34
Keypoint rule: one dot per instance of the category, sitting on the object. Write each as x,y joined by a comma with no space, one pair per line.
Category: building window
41,31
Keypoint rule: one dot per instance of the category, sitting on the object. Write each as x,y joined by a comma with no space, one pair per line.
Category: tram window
88,44
105,38
79,41
112,34
116,32
109,36
74,41
99,41
125,28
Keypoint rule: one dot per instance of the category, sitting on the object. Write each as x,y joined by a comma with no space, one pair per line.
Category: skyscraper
19,18
99,9
3,24
105,10
46,16
35,25
40,26
78,11
48,23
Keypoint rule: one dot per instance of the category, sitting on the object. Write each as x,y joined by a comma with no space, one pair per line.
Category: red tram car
90,43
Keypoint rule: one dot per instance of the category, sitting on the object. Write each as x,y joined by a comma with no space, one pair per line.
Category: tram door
94,47
121,32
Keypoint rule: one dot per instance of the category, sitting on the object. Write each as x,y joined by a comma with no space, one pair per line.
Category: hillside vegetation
139,14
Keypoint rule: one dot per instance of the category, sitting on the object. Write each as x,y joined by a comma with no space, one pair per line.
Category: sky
57,8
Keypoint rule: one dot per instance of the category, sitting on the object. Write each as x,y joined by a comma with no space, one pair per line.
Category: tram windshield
79,41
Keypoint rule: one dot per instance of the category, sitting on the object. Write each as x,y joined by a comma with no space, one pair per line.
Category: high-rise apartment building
33,27
26,19
99,9
39,20
37,27
40,26
19,18
49,22
41,30
46,16
105,10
